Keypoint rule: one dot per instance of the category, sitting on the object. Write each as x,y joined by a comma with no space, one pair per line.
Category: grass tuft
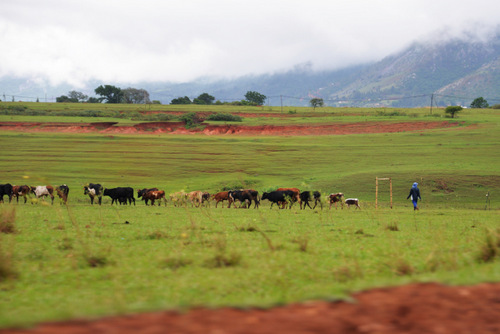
303,242
7,270
222,260
7,221
392,227
403,268
175,263
490,249
347,273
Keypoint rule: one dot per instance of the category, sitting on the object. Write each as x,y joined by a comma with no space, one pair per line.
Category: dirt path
414,308
208,129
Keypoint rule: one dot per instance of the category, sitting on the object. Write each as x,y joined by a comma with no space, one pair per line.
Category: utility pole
281,97
432,101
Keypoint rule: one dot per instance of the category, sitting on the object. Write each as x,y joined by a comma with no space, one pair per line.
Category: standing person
415,195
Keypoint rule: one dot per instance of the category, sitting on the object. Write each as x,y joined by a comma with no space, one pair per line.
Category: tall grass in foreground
85,260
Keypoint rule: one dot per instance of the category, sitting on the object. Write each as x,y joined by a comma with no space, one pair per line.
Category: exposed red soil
414,308
209,129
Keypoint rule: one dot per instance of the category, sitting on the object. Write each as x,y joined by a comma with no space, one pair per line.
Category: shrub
191,119
221,117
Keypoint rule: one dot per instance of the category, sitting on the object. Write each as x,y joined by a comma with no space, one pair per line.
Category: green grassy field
80,260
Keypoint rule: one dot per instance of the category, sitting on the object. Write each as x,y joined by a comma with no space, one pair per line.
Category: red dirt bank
209,129
414,308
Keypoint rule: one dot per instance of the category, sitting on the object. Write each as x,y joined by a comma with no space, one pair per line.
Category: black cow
6,189
142,192
245,196
120,194
278,196
93,190
307,196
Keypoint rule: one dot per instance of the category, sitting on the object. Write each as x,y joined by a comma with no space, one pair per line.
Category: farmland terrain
197,270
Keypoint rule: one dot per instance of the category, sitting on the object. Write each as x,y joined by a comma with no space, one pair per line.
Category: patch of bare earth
414,308
210,129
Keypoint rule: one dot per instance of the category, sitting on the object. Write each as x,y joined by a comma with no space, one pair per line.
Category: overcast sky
66,41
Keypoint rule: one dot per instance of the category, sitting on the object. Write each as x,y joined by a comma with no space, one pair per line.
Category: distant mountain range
447,73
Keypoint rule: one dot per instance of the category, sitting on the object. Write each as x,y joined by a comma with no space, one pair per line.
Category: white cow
42,191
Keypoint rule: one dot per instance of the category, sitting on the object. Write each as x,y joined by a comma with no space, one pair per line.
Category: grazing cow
305,197
334,198
221,197
141,192
245,196
352,201
23,191
198,197
6,189
295,197
178,198
154,195
278,197
93,190
43,191
62,192
121,195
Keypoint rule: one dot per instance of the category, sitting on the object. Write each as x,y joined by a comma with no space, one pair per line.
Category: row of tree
251,98
109,94
113,94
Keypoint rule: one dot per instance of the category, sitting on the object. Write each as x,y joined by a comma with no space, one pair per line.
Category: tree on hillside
65,99
134,95
452,110
95,100
181,100
78,96
204,98
479,102
73,96
110,93
316,102
255,98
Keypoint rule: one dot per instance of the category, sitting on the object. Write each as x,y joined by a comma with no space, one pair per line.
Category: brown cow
141,192
198,197
221,197
334,198
295,198
153,195
18,191
62,192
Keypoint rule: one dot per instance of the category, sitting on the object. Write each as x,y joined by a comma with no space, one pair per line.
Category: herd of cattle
282,197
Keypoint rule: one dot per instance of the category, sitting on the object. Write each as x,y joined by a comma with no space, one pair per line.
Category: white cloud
152,40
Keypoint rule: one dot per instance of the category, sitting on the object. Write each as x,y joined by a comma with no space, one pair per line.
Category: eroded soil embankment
211,129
